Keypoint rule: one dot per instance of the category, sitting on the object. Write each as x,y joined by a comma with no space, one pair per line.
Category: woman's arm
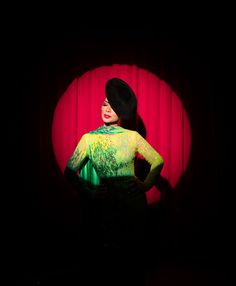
75,162
152,157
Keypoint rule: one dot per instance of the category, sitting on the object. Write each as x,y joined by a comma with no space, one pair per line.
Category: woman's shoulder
93,131
132,133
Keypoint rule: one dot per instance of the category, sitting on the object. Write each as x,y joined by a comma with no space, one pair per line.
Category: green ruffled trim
108,130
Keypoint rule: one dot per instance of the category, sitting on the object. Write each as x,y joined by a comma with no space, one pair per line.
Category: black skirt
116,213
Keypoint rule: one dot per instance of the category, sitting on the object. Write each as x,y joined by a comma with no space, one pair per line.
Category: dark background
194,223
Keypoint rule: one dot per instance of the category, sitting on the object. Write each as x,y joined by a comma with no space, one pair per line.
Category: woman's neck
112,124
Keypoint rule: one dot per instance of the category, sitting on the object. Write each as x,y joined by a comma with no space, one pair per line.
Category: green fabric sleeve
79,155
152,157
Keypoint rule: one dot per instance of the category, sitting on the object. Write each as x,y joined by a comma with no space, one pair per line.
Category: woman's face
109,116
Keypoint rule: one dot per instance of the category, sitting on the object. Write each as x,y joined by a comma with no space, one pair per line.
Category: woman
102,168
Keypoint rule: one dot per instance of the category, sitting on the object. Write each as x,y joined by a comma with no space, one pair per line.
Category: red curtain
160,109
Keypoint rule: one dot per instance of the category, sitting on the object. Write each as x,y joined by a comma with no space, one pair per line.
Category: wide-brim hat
121,98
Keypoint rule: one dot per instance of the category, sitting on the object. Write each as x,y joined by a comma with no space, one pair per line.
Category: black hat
121,98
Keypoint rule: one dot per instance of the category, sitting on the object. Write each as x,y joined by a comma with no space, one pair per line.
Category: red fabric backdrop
160,109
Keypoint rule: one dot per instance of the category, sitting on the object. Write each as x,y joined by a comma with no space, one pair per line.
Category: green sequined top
110,151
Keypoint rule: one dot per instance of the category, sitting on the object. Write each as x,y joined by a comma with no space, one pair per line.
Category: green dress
106,157
109,152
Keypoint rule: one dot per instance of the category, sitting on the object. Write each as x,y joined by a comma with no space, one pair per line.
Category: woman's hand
142,186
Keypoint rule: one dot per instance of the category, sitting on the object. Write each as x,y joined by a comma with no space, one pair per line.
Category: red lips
107,116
